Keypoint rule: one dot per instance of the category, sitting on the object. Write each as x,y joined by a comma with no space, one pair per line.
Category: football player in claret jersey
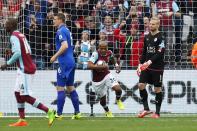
151,67
102,79
25,71
66,70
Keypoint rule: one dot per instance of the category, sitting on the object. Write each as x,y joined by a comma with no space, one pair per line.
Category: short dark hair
11,23
61,16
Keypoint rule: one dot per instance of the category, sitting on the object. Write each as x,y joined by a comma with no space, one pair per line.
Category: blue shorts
65,76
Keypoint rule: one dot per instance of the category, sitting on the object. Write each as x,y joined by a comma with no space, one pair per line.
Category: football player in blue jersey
66,70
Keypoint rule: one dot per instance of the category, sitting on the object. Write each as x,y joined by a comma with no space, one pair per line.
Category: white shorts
100,88
23,83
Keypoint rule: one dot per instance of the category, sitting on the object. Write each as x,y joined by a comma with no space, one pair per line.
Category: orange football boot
20,122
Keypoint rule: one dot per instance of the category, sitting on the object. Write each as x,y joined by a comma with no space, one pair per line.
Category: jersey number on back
71,39
27,47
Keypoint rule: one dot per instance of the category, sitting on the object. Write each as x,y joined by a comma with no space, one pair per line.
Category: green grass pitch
105,124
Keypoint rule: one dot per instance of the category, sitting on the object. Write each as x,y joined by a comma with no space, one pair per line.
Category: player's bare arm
93,66
116,65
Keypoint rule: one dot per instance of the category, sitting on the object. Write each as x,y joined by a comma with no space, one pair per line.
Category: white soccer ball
100,62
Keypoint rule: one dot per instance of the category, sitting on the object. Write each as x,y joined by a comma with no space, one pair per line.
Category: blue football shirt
63,34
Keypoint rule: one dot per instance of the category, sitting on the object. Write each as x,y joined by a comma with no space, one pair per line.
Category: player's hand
102,67
105,65
53,58
146,65
8,52
139,69
3,67
118,68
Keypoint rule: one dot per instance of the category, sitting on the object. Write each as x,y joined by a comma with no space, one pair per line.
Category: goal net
123,24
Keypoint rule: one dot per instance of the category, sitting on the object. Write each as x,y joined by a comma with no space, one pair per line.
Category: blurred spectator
132,16
165,10
83,49
107,9
34,23
146,25
122,9
48,36
91,25
1,6
120,39
109,30
1,30
194,55
178,30
194,9
134,45
79,12
91,6
14,6
142,11
132,12
1,13
102,37
186,11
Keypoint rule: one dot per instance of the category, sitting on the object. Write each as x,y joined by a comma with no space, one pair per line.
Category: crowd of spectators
122,23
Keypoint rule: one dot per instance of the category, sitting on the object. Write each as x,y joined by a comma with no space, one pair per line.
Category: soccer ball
100,62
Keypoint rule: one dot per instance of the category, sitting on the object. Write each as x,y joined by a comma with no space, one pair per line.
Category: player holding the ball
102,79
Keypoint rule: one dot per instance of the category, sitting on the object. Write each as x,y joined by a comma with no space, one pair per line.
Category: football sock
158,99
75,101
144,96
104,104
106,108
31,100
20,105
43,107
60,101
118,94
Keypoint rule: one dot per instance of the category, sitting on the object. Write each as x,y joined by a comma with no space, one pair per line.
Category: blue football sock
75,100
60,101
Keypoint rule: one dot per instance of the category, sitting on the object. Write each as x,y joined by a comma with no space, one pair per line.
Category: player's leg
158,102
73,94
100,89
75,101
21,111
61,82
26,97
157,79
113,83
103,103
20,105
20,102
143,94
50,112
